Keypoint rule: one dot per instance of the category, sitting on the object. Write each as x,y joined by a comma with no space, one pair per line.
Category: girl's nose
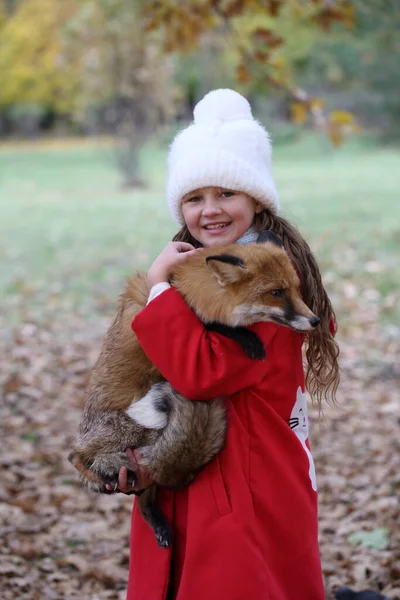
211,207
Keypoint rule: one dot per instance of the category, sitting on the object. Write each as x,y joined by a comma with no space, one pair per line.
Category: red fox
129,405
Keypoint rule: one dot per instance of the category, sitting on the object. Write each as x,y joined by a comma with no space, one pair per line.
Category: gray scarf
248,237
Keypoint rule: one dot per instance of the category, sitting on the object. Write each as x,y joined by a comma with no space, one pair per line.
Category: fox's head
238,285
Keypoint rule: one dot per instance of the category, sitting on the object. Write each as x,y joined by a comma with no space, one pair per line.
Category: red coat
246,528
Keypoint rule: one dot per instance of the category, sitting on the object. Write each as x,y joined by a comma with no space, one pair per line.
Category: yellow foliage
298,112
349,16
340,125
242,73
30,54
317,103
341,117
335,134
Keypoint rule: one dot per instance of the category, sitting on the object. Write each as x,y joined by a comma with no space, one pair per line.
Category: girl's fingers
132,458
123,480
144,479
184,247
123,485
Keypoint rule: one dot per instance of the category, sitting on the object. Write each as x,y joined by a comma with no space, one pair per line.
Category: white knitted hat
226,147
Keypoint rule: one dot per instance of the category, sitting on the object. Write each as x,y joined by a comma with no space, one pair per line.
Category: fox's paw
107,467
163,535
112,480
248,340
252,345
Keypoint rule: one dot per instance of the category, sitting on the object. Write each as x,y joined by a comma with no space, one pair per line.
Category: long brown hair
322,351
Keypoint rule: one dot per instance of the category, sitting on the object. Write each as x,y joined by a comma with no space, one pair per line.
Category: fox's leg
247,339
154,517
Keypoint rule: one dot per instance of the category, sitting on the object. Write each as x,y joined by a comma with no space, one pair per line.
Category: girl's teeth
215,226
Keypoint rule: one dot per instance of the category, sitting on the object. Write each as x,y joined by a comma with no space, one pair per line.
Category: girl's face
216,216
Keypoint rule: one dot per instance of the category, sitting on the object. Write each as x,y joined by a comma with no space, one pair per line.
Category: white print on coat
298,422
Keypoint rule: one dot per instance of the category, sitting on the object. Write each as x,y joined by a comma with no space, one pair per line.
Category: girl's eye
277,293
194,199
227,194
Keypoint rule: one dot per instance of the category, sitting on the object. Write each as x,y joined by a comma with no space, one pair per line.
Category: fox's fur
129,405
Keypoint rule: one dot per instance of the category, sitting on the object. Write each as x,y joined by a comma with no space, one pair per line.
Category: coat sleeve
199,364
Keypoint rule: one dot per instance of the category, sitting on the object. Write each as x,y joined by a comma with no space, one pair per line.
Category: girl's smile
216,228
216,216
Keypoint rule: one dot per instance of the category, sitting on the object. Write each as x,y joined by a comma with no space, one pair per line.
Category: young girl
246,528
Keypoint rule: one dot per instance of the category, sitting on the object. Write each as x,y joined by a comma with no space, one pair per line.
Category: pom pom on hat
226,147
221,105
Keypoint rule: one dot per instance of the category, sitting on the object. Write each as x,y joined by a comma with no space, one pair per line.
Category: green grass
69,234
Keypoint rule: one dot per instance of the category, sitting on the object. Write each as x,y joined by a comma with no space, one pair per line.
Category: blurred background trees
129,67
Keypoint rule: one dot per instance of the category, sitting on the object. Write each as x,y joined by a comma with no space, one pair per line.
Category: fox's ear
226,268
269,236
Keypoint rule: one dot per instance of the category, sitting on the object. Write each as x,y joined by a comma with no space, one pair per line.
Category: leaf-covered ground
59,541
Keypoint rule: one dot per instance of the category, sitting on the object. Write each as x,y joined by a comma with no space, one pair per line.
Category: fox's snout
296,314
301,322
291,312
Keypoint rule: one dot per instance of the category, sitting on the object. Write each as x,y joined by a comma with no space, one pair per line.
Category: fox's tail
193,433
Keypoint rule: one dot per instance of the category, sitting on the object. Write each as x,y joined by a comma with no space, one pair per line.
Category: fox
128,404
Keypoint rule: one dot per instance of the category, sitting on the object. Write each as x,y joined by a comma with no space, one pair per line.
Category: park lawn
69,233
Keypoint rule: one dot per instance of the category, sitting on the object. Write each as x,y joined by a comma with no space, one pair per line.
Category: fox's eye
277,293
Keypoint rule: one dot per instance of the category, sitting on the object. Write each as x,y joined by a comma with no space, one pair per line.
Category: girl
246,528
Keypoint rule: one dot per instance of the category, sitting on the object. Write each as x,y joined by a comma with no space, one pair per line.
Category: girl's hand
173,253
143,480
